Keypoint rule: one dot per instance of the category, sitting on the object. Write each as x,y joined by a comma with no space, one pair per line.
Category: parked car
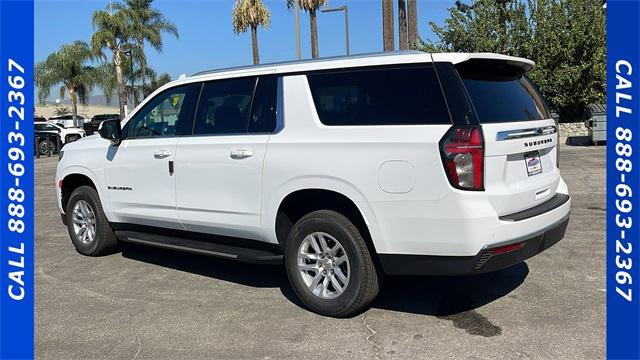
67,121
92,126
67,135
46,141
38,118
343,169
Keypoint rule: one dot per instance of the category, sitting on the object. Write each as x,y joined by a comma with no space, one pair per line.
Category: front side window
263,107
381,96
161,117
224,107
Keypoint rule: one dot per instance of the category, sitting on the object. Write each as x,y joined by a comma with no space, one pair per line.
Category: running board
201,247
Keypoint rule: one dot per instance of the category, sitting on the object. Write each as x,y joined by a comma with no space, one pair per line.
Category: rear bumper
483,261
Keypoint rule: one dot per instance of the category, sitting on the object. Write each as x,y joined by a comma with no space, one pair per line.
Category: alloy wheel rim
323,265
84,222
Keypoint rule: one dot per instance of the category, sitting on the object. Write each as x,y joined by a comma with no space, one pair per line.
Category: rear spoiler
457,58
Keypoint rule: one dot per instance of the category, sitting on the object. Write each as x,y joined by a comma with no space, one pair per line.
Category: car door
138,172
219,167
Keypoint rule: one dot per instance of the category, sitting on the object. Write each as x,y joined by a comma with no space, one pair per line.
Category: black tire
44,145
104,242
363,284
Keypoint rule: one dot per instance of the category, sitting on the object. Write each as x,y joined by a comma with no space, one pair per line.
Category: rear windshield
501,93
408,95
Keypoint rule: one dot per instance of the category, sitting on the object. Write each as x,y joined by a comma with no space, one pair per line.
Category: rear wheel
88,226
329,265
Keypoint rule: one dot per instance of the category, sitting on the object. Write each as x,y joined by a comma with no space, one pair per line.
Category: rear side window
383,96
224,107
501,93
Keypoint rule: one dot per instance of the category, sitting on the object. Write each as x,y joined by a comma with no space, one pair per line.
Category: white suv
344,169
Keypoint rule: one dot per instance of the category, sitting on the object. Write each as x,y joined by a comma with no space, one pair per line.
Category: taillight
462,150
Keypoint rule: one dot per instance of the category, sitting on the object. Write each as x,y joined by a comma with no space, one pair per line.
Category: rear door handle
240,154
161,154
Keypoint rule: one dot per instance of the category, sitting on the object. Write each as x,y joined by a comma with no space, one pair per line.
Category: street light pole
296,11
344,8
130,55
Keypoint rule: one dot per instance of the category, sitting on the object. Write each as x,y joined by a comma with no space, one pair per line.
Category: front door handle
161,154
240,154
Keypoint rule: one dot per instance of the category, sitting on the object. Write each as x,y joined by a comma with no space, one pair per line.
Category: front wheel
44,146
88,226
329,265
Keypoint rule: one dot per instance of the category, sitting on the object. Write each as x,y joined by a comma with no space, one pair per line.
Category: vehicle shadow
426,295
448,295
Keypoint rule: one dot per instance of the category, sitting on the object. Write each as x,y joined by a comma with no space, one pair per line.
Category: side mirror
111,130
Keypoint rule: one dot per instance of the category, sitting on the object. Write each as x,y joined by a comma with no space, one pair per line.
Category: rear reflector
462,151
507,248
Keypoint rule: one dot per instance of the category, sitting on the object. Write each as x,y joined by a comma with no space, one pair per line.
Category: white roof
385,58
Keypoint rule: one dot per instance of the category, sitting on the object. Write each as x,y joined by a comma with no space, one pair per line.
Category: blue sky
207,40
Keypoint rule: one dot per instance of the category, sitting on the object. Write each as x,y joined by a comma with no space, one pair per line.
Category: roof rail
307,61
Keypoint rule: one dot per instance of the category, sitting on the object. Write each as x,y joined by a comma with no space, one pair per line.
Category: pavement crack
87,292
376,347
137,351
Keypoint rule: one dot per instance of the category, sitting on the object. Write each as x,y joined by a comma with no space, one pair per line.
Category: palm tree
147,26
412,16
68,66
403,34
311,6
157,82
387,25
113,32
250,14
108,82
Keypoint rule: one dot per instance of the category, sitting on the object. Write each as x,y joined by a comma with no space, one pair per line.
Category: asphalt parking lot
145,303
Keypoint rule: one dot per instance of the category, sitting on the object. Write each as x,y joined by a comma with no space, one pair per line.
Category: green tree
250,14
108,83
311,6
147,25
68,66
566,39
113,31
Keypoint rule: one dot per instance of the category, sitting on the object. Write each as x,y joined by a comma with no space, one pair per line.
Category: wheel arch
71,182
300,202
75,176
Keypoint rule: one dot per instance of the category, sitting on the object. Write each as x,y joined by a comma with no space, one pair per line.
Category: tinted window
263,109
161,116
396,96
224,107
45,127
502,94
